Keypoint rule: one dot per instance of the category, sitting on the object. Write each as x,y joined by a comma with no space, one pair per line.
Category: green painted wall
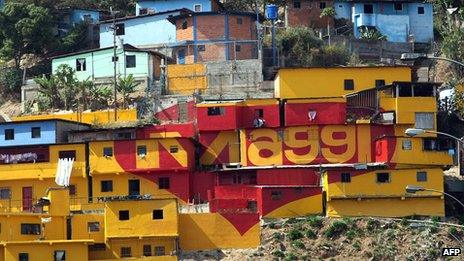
99,64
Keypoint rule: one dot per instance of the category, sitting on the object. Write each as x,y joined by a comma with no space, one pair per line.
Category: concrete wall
342,10
163,5
146,31
421,25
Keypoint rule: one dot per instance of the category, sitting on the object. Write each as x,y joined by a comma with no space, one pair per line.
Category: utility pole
115,106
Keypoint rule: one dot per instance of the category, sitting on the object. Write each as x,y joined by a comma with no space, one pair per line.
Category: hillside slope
318,238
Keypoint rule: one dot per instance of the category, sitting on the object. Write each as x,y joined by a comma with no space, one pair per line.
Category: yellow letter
265,148
336,153
309,142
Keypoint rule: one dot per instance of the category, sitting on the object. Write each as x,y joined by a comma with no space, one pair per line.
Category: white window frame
201,8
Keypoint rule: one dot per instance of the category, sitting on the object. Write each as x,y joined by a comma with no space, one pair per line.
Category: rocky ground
320,238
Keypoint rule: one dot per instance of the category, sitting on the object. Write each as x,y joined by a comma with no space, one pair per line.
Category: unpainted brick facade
308,13
218,37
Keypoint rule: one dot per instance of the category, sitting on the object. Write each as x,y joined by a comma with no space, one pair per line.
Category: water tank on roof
271,12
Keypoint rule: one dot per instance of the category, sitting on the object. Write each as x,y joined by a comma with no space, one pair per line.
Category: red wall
228,121
235,192
266,204
186,130
202,185
287,177
270,112
178,182
326,113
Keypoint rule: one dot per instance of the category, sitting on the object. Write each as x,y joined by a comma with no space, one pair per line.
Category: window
72,190
35,132
383,177
9,134
106,185
5,193
407,144
239,20
432,144
108,152
184,24
398,7
238,48
163,183
420,10
259,113
81,64
146,250
276,195
197,8
67,154
30,229
215,111
130,61
346,177
158,214
379,83
425,120
120,29
23,257
349,85
368,9
421,176
134,187
322,5
160,251
126,252
60,255
93,226
141,150
201,48
123,214
173,149
296,4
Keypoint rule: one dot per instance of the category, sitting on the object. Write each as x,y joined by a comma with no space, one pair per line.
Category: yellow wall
186,78
39,187
419,156
11,227
386,207
97,117
211,231
302,207
329,82
406,107
113,249
45,169
365,185
80,229
140,221
44,250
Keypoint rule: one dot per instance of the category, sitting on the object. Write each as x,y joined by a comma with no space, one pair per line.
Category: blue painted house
37,132
70,17
144,31
158,6
399,21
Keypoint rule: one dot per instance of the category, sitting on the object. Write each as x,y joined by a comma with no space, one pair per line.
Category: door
134,187
27,198
181,56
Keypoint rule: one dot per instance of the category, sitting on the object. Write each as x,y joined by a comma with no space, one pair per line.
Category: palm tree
126,86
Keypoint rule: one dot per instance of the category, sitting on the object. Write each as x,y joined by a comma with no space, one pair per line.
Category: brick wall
244,31
184,34
308,14
210,27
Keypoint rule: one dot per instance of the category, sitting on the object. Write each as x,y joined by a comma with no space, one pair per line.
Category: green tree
24,29
126,86
298,46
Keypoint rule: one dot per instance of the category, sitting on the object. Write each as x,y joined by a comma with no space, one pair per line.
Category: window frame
125,252
371,6
157,214
34,134
348,84
9,134
5,189
421,176
215,111
93,226
184,24
164,183
123,215
378,175
23,256
106,182
345,177
36,229
81,64
238,48
422,125
195,6
159,251
55,253
419,12
129,62
145,250
140,149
